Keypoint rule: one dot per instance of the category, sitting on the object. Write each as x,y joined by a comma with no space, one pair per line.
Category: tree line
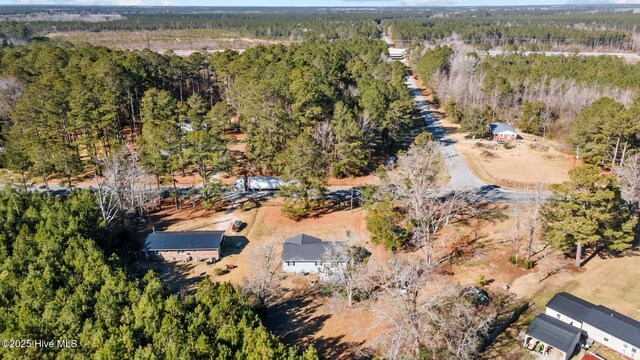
542,95
489,32
66,109
58,284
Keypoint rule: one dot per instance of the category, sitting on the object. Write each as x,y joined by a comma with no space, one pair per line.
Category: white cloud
95,2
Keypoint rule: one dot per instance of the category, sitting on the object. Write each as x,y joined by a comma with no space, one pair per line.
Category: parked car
481,296
236,226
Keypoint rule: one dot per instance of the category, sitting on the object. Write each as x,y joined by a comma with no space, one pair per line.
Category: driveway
462,179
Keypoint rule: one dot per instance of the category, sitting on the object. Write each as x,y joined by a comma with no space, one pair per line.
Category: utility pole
577,157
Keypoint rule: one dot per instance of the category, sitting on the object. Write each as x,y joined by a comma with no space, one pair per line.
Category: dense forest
532,28
530,33
58,284
65,108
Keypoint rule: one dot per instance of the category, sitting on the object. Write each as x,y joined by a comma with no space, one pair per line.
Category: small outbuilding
303,253
502,131
552,337
184,246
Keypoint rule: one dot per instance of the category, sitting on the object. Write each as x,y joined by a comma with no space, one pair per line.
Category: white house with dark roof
303,253
599,323
502,131
184,246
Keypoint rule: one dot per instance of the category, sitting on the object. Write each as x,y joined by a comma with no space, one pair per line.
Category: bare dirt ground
532,161
602,280
529,162
605,280
303,316
163,40
519,167
306,318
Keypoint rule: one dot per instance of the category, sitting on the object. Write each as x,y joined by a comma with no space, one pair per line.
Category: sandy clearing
519,167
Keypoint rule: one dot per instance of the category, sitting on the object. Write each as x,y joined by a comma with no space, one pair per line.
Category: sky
328,3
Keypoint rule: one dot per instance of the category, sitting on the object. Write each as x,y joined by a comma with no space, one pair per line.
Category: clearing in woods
183,40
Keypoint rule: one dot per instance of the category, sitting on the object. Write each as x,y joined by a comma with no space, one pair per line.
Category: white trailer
259,183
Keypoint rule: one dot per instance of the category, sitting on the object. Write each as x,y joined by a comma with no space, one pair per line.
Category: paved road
337,193
461,177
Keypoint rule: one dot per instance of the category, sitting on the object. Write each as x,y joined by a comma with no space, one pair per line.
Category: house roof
615,324
569,305
188,240
303,247
498,128
554,332
598,316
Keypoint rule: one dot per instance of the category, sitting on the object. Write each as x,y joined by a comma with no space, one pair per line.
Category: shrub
488,154
218,271
295,210
521,263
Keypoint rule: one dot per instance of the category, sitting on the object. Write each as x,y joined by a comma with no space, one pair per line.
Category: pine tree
588,210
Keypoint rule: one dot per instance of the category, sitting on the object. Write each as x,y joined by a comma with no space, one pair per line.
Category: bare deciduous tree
349,273
124,187
628,175
263,278
10,91
426,315
401,306
527,219
565,98
430,208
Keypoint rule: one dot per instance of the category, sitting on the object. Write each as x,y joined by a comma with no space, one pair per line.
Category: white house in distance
397,54
304,254
599,323
502,131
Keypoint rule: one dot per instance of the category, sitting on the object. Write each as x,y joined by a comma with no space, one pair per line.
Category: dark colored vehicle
481,296
235,227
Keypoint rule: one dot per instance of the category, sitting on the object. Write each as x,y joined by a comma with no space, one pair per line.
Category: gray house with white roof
303,253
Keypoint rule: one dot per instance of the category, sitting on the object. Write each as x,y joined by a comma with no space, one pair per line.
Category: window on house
558,316
180,252
157,252
625,346
633,350
606,339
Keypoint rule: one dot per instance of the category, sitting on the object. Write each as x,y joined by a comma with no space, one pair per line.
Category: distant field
162,40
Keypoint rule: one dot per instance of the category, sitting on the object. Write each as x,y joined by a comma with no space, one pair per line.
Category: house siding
505,136
311,267
612,343
297,267
563,318
172,255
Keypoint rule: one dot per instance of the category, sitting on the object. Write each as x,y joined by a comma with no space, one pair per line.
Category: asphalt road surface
462,179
